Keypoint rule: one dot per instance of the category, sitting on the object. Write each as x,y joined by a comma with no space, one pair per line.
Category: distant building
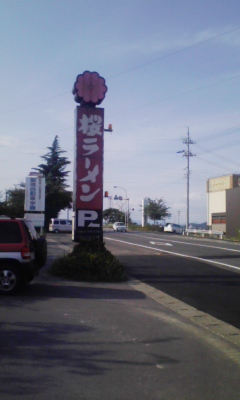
223,204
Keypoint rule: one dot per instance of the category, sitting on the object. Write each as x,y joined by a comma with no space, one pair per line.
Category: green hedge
89,261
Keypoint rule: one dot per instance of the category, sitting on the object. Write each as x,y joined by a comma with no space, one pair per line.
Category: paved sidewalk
128,341
228,332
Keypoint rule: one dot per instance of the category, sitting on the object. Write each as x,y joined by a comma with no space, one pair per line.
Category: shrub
89,261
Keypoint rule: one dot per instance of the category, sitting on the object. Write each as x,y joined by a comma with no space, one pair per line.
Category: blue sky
168,65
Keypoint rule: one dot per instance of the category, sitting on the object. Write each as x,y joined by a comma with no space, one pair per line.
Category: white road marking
165,244
190,244
176,254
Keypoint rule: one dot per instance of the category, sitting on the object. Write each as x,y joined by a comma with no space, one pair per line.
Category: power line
218,156
173,53
223,133
179,94
225,145
214,164
139,67
35,103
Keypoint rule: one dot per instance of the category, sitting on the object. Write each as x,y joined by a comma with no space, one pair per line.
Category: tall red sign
88,188
89,90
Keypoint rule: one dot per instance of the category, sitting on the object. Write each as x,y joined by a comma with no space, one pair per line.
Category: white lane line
163,244
190,244
175,254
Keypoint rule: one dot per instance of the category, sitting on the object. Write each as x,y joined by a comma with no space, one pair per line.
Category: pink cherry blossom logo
89,89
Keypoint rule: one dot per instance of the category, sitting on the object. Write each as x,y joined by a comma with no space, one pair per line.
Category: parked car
119,227
22,253
173,228
57,225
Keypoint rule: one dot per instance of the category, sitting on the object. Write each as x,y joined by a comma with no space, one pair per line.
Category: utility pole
178,214
187,153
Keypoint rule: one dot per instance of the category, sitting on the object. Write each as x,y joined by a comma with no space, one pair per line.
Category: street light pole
127,205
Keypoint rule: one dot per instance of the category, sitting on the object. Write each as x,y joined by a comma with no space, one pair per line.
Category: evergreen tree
57,197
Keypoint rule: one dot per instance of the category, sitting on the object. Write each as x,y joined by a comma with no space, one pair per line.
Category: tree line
59,198
156,210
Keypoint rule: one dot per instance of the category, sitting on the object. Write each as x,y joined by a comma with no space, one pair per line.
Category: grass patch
89,261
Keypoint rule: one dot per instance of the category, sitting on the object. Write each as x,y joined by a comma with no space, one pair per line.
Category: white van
173,228
60,225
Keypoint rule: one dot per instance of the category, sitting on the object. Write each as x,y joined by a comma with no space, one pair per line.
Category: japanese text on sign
35,194
89,159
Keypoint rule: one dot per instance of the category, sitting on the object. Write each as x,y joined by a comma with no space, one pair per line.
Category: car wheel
10,279
40,252
174,231
56,231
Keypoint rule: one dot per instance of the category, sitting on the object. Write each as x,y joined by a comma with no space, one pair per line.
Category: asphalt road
203,273
225,254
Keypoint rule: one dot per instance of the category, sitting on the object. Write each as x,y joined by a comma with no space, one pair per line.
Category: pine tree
57,197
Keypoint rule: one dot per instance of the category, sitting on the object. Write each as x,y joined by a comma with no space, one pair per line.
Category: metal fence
203,233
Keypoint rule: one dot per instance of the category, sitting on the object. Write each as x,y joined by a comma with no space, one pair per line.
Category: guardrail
203,232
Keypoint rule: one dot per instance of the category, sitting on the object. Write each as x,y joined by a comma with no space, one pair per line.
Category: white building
223,204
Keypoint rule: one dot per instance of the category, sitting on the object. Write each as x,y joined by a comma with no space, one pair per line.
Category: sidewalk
230,333
130,341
